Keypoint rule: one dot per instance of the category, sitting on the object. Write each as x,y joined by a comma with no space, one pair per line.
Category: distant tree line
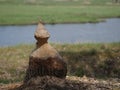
116,1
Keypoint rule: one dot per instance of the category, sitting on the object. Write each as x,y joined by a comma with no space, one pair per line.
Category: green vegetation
96,60
17,12
13,61
60,2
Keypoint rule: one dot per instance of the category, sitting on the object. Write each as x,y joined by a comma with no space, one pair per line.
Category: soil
70,83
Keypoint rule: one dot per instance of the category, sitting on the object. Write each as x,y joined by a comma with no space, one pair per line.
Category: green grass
54,2
13,62
17,12
82,59
58,2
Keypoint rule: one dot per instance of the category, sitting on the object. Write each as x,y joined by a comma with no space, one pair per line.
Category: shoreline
102,20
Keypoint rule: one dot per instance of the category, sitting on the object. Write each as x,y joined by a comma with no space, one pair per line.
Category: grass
59,2
54,2
13,62
17,12
82,59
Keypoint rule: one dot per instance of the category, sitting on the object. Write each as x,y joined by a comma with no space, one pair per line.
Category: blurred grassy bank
94,60
17,12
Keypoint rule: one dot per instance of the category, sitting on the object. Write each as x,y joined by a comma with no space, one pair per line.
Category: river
103,32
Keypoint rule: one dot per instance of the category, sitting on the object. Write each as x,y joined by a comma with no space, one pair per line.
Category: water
103,32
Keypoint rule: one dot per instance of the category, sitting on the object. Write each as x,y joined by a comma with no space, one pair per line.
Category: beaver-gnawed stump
44,60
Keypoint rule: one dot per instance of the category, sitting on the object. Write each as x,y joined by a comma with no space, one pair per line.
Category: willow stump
44,60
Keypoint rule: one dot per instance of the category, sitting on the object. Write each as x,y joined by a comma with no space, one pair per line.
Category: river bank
71,83
20,14
92,60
